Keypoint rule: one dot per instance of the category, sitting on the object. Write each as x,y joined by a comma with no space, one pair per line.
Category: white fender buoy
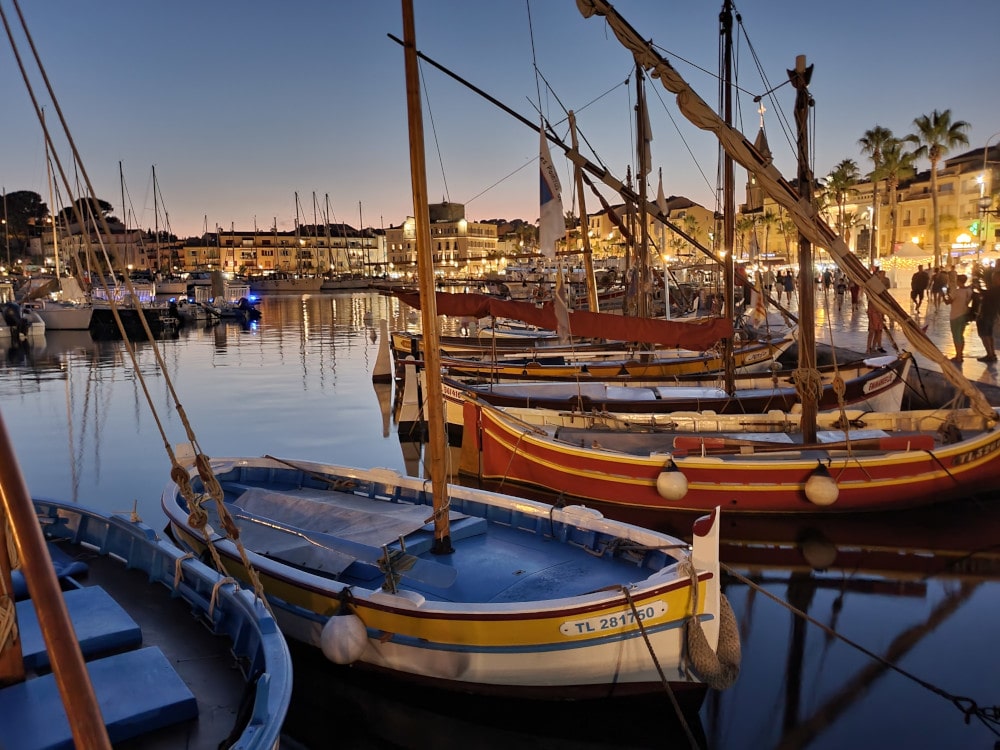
671,482
344,639
821,488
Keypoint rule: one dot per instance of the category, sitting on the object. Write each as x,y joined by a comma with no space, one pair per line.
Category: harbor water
857,632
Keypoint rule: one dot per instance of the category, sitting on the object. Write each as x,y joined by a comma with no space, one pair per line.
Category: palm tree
936,135
768,220
872,143
840,186
897,165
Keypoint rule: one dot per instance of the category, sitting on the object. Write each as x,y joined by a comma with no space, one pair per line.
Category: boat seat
137,691
65,567
100,623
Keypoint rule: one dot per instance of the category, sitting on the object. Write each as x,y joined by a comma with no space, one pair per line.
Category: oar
427,572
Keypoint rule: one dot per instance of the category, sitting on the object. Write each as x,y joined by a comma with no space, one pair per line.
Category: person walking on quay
855,290
876,324
989,308
939,281
918,287
960,299
789,285
840,287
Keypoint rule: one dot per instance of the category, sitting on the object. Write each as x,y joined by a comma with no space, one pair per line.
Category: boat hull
295,285
59,316
902,475
557,646
152,588
874,387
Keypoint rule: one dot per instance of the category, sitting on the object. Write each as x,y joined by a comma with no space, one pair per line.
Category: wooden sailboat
875,385
462,588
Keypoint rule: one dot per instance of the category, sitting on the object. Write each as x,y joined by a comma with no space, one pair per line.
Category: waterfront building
461,249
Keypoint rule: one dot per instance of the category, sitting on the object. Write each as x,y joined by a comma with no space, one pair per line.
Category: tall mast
437,445
728,193
128,251
156,222
55,232
298,243
365,249
642,256
588,256
808,396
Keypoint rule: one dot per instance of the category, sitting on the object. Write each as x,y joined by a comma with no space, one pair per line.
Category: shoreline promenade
848,328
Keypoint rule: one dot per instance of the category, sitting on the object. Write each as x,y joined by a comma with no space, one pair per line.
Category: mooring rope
656,662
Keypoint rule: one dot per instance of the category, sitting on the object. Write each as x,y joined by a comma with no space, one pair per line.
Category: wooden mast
588,255
728,196
808,395
437,444
642,254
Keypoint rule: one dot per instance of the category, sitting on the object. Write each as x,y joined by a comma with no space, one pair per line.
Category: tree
897,165
872,144
936,135
840,186
92,209
24,210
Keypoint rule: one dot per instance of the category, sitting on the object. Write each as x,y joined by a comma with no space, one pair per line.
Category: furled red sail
698,335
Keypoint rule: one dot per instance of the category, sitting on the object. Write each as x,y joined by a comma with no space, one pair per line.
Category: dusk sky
239,105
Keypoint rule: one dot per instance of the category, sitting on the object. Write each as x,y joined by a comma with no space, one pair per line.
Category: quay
846,328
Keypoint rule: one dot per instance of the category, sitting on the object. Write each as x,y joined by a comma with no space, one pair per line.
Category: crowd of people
968,300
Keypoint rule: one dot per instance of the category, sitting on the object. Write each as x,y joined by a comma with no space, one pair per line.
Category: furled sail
698,334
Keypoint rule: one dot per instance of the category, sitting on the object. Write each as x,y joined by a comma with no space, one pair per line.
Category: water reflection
898,611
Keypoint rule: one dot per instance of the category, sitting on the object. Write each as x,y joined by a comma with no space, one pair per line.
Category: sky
240,105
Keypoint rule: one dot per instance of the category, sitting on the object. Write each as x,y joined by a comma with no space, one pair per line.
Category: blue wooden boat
176,655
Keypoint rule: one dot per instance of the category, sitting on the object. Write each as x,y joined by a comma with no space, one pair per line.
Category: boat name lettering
752,357
975,455
614,621
882,381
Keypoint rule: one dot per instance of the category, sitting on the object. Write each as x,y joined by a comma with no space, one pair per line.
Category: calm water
913,597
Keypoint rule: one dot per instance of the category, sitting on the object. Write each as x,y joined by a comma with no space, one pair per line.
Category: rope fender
716,668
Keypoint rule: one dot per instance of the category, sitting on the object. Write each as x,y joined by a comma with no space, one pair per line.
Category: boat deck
346,535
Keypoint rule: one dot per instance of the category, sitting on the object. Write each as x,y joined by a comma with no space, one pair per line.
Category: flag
551,225
561,307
